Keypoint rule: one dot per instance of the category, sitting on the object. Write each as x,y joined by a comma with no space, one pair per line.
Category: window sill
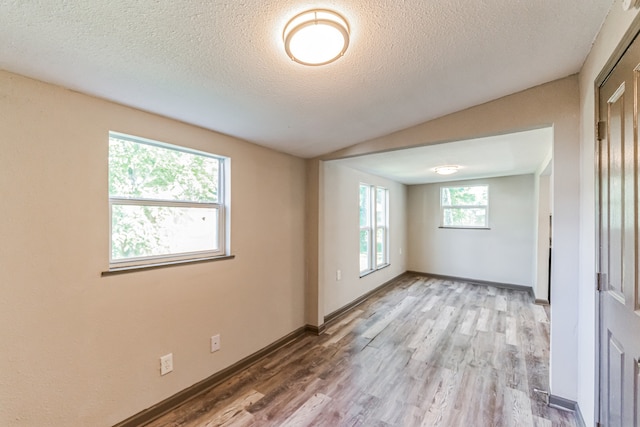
136,268
366,273
466,228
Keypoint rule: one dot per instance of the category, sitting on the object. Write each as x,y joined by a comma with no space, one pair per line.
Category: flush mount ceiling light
447,170
316,37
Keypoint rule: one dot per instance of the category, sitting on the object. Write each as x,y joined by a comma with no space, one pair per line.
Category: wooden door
618,254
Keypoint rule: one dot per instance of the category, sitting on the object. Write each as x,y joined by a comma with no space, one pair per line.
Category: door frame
630,35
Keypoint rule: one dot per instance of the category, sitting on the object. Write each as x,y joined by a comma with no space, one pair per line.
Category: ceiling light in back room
446,170
316,37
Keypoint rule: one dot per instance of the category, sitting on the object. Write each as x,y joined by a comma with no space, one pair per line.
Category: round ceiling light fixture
446,170
316,37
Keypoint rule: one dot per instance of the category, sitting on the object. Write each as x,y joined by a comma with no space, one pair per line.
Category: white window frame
384,226
368,228
372,229
462,207
220,206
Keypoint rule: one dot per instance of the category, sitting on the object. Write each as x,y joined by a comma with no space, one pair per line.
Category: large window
166,203
465,207
374,228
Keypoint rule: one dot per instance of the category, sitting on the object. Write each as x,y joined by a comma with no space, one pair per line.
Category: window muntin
465,206
166,203
374,228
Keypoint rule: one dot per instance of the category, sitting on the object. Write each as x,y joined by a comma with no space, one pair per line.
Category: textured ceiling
221,64
502,155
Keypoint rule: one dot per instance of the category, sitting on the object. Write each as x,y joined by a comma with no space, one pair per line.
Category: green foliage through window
144,171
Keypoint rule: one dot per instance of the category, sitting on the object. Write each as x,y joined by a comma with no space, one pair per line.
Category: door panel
616,383
618,244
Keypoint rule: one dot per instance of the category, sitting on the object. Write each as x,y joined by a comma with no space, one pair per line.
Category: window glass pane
464,217
364,250
144,171
469,196
380,246
145,231
381,206
365,203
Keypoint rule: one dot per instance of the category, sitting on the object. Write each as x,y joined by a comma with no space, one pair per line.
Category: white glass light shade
446,170
316,37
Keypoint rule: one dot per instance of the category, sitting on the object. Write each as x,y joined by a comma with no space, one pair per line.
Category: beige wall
503,254
340,245
79,349
611,34
314,226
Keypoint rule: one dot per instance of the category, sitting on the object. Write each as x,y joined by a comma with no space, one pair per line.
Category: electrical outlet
215,343
166,364
338,275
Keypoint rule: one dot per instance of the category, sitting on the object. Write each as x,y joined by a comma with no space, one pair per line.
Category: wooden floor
425,352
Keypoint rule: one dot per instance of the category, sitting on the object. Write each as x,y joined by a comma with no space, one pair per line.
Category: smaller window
465,207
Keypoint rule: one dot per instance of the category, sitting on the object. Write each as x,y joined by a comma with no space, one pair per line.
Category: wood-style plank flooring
424,352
